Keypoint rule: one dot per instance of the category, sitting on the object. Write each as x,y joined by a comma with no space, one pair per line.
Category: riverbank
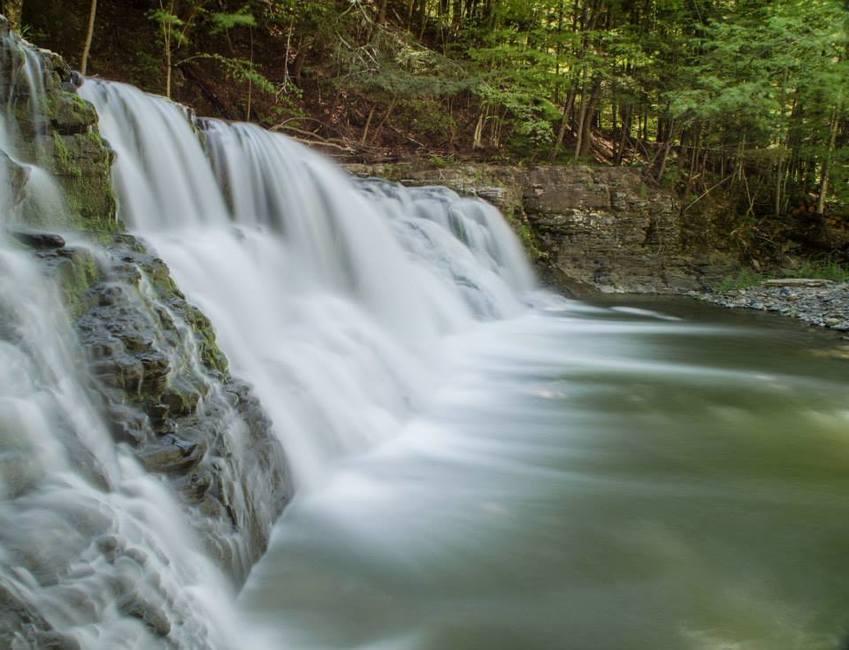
596,231
818,302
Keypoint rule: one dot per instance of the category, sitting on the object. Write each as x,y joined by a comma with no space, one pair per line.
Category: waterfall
334,297
330,295
31,192
478,463
95,551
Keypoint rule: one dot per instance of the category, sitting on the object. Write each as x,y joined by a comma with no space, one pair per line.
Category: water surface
637,473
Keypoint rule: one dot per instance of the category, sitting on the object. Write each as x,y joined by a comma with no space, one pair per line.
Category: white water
546,480
86,534
330,298
25,84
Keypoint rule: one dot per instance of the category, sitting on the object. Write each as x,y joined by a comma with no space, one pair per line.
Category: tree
88,37
13,10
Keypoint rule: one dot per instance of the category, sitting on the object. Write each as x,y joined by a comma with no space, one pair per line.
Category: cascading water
333,297
95,552
365,312
565,476
32,192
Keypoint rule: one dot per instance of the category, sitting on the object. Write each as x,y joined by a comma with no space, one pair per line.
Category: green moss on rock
75,278
61,135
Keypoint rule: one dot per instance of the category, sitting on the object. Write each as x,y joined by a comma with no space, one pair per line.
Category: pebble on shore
818,302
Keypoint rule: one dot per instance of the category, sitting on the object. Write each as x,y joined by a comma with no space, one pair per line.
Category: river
478,462
628,474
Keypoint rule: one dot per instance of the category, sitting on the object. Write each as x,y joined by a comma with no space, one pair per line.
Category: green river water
634,473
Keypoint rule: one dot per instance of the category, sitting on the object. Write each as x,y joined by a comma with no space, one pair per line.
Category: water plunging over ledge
479,464
557,476
331,299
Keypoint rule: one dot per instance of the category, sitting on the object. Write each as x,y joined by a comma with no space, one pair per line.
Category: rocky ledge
818,302
166,393
589,229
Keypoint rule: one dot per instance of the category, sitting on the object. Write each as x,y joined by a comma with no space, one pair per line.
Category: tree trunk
666,148
385,117
568,107
168,67
697,139
250,81
88,37
478,141
457,15
826,164
625,133
585,121
582,117
167,34
364,139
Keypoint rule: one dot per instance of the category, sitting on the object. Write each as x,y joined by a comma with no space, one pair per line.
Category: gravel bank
818,302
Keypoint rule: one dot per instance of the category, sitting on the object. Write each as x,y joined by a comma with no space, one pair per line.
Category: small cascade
466,241
33,194
336,293
164,180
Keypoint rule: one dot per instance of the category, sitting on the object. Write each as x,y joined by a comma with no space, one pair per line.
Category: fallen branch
333,145
706,192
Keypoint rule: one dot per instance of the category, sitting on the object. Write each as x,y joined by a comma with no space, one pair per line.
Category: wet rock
196,486
39,240
128,424
21,626
109,545
172,455
56,641
151,614
156,367
126,373
106,348
65,141
181,399
108,295
798,282
17,177
71,114
168,394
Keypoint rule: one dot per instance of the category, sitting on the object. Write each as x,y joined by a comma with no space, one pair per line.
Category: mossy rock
61,136
70,114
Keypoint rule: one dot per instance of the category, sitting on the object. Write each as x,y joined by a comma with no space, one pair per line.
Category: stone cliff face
588,229
167,392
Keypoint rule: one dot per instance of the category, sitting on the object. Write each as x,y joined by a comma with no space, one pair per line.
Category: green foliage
813,269
439,162
223,21
170,23
742,280
820,270
243,70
